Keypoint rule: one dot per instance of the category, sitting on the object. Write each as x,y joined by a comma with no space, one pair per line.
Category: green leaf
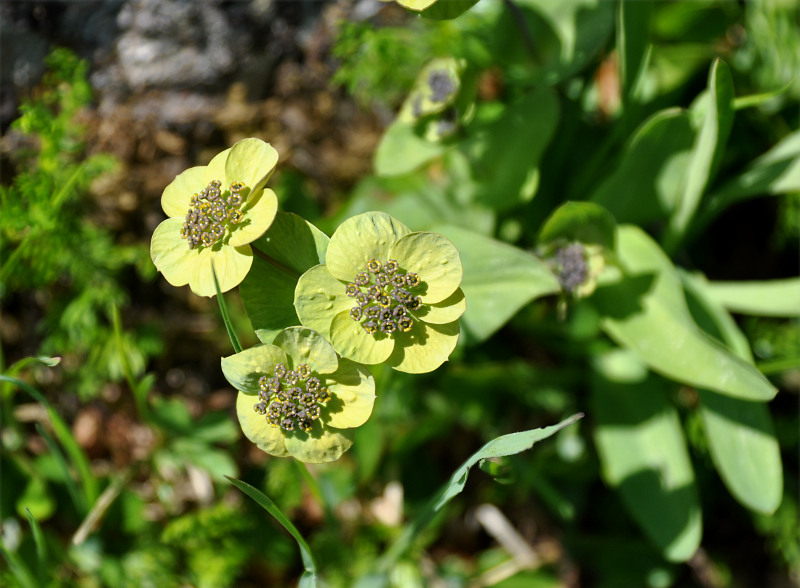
41,546
505,151
288,248
643,453
739,433
504,445
779,298
633,24
744,449
498,280
589,223
775,172
448,9
401,150
309,578
646,185
545,42
707,150
712,317
647,313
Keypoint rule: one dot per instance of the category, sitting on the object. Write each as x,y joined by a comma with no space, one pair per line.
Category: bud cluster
291,399
211,212
384,297
570,264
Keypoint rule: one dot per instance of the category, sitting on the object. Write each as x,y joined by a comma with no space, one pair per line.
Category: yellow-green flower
385,294
215,211
297,398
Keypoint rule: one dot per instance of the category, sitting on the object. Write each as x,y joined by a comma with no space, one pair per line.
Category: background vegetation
664,136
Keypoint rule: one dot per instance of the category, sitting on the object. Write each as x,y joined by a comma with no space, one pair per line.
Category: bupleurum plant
215,212
385,294
297,398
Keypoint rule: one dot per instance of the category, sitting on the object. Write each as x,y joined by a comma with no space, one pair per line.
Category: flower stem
274,262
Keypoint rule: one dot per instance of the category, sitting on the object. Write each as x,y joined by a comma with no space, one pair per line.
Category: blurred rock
169,43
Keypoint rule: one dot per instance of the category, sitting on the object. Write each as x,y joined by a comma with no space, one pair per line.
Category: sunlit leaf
744,449
498,280
646,185
646,312
717,112
643,454
401,150
288,248
504,152
780,298
586,222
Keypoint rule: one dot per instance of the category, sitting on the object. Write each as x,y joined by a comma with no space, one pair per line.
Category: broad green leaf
707,150
744,449
589,223
309,578
545,41
647,313
643,454
646,185
712,317
780,298
505,152
504,445
401,150
288,248
498,280
422,201
739,433
448,9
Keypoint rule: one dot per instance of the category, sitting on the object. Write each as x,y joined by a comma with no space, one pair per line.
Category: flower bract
385,294
297,398
214,212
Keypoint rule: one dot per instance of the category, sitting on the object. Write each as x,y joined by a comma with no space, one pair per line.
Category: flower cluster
383,294
291,399
384,297
297,398
215,212
212,213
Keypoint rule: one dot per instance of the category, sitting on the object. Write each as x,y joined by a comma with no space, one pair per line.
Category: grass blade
41,547
309,578
504,445
62,432
226,317
78,499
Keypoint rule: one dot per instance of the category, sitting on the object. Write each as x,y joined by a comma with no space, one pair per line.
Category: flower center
213,213
384,297
291,399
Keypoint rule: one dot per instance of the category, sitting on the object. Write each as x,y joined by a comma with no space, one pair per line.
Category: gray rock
174,43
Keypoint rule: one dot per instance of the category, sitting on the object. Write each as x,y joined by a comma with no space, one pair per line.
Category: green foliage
49,237
605,140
